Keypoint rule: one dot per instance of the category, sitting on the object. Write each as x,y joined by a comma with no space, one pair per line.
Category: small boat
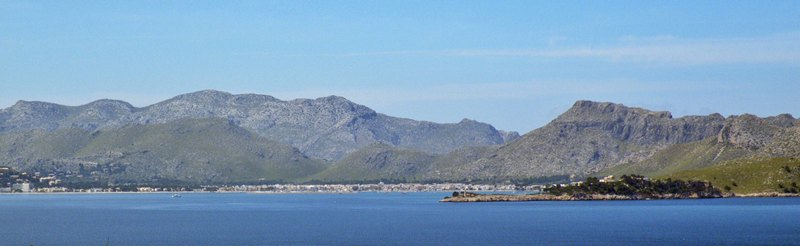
176,195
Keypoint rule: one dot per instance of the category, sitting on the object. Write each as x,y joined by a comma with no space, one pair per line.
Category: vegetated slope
589,137
190,150
22,150
749,175
378,162
327,127
449,167
742,136
382,162
698,154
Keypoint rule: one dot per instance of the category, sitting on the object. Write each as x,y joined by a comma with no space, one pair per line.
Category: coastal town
286,188
12,181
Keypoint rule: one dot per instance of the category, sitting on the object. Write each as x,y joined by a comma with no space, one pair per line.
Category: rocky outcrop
741,136
509,136
782,120
589,137
786,143
750,132
25,115
636,125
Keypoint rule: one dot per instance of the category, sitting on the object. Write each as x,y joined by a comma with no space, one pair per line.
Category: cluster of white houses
24,182
380,187
18,187
299,188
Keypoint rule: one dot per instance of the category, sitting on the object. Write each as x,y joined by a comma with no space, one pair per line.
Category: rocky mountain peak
747,131
782,120
716,116
335,100
204,97
252,100
340,105
110,104
22,105
32,115
590,111
592,136
468,121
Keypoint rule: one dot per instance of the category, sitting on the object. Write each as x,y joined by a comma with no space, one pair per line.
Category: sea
387,219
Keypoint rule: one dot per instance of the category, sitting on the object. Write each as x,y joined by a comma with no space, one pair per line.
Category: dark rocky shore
473,197
627,187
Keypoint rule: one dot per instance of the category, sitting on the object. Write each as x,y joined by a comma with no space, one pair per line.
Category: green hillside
197,151
749,175
693,155
378,162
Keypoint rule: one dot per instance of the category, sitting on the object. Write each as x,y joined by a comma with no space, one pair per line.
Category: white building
24,187
607,179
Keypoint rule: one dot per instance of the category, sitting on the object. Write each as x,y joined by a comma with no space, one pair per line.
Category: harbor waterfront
388,218
300,188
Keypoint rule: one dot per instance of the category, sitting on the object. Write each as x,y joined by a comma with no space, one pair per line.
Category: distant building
24,187
607,179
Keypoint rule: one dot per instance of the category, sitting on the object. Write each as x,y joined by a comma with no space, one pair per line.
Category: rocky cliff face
638,126
750,132
742,136
591,136
327,128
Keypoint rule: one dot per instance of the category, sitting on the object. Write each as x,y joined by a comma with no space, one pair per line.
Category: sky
513,64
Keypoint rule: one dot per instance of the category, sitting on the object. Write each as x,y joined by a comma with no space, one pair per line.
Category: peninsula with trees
627,187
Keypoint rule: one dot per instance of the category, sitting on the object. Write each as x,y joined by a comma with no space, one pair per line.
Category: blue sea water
388,219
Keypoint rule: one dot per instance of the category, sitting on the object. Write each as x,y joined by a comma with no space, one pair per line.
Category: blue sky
514,64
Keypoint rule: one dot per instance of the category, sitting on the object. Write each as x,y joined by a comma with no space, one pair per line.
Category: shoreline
472,197
224,192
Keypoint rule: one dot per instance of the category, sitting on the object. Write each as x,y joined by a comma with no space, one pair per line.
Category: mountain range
217,137
325,128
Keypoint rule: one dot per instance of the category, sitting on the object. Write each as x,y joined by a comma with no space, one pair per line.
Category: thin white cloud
780,48
499,91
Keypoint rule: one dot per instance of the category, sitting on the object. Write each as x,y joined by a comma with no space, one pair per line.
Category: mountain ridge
339,140
327,127
189,150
